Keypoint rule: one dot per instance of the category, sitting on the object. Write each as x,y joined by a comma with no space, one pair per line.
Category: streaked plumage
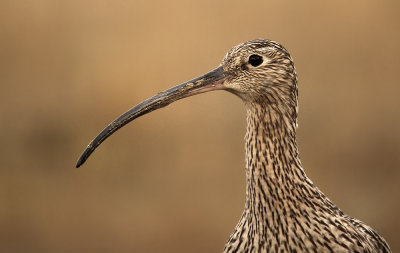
284,210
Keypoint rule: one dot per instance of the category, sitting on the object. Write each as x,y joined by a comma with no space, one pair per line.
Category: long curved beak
213,80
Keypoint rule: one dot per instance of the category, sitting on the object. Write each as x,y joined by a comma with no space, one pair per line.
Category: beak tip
79,163
82,159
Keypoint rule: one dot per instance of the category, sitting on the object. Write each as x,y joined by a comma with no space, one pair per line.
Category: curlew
284,210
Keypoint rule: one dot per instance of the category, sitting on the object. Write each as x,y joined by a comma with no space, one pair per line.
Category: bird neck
273,167
284,211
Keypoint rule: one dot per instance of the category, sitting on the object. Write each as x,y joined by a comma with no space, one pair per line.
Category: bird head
261,72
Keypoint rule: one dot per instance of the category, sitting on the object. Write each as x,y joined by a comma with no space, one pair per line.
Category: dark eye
255,60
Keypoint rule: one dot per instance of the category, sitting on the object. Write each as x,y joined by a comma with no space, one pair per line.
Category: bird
284,210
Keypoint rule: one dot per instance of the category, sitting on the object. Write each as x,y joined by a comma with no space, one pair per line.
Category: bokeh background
173,181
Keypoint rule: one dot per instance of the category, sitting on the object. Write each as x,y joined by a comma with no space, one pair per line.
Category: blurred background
173,181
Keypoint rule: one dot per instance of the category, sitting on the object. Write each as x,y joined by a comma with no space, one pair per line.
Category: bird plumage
284,210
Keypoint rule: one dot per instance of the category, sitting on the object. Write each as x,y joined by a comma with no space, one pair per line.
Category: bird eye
255,60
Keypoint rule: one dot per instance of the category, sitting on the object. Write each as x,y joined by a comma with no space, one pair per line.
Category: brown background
173,181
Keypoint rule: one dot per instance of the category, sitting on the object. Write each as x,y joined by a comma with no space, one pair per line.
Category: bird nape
284,210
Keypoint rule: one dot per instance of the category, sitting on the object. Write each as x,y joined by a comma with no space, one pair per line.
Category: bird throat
277,189
273,167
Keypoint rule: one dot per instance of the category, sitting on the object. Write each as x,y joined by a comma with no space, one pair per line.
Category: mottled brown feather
284,210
